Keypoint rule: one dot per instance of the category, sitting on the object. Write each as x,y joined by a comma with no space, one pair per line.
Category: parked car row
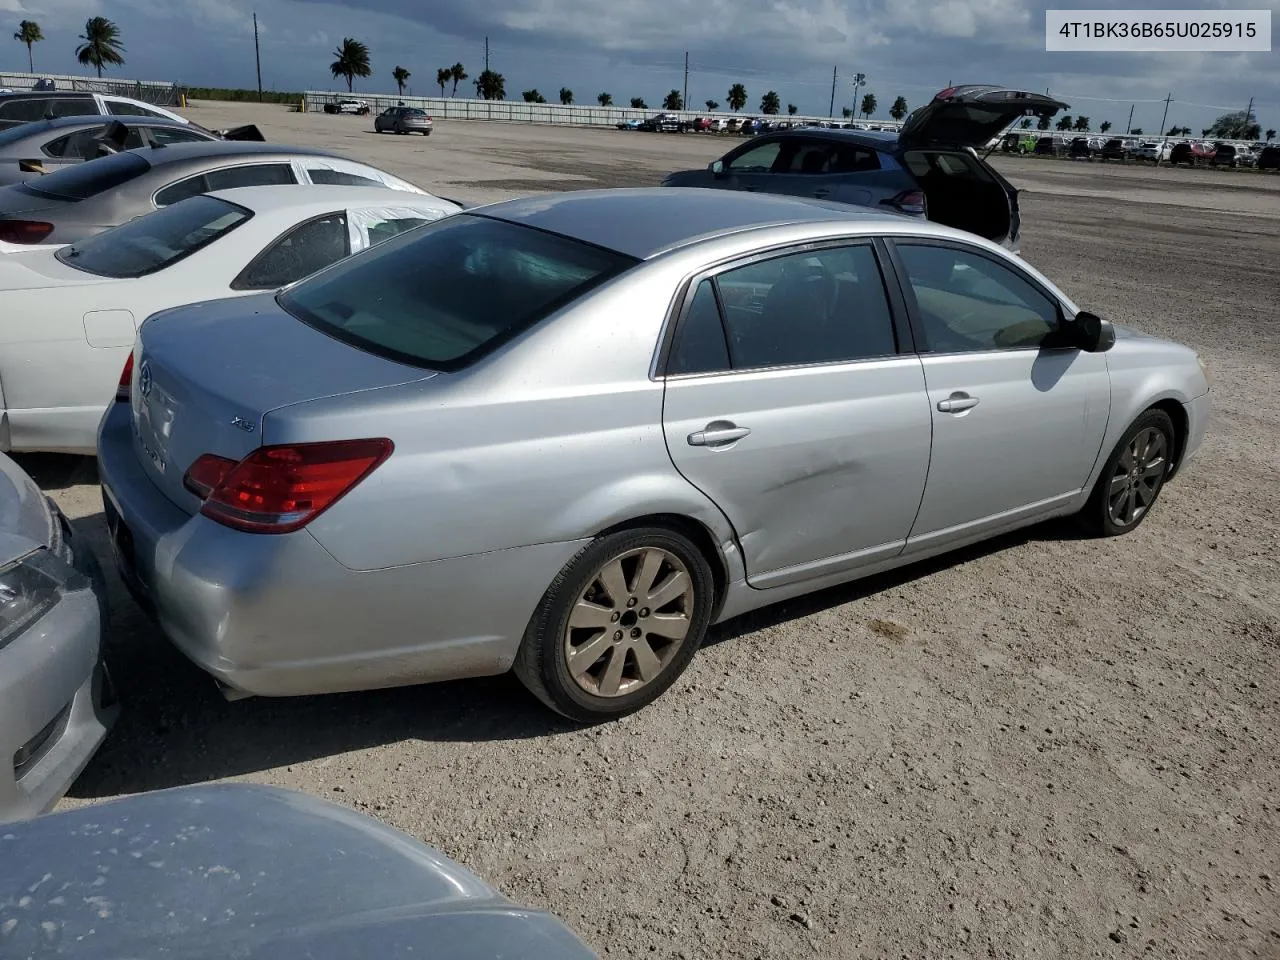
1191,152
720,123
330,463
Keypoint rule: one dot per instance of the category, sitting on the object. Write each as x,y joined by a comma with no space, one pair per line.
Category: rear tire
1132,478
618,624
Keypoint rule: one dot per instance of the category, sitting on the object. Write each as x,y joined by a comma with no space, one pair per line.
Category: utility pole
486,54
1129,126
684,102
1248,116
1167,100
257,59
831,112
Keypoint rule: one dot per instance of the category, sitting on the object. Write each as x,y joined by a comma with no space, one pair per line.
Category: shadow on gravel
57,471
176,729
1053,530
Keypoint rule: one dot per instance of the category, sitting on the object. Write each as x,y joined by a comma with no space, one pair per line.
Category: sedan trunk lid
206,375
970,115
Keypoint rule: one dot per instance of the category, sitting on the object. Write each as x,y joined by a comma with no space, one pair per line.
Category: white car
1153,150
71,313
26,105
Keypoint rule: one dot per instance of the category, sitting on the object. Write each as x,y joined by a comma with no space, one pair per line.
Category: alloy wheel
629,622
1137,477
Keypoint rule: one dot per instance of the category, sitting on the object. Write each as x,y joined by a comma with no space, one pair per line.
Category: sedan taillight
126,380
282,488
24,231
910,202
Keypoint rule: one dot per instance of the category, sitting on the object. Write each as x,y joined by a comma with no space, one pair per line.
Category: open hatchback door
970,115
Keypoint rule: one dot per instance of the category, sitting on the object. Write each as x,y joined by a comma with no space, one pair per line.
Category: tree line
100,47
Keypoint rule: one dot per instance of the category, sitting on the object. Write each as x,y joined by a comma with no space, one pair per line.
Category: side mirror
716,167
1093,334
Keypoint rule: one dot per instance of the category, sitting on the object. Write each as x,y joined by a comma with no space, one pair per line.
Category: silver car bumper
279,616
55,699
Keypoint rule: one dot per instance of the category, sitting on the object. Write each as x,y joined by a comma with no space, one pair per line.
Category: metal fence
161,93
517,111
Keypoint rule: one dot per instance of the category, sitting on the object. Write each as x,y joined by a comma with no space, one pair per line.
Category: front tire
1133,477
618,625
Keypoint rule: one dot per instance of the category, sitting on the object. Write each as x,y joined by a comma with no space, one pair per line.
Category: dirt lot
1046,747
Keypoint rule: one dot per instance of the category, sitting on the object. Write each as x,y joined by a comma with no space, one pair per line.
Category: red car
1192,152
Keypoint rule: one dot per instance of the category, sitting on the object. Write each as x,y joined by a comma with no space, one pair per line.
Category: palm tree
1271,135
1065,122
1026,123
457,74
899,110
29,33
566,95
713,104
604,99
1082,123
637,103
533,96
868,104
737,97
443,76
673,101
1043,123
1136,131
101,44
1104,126
352,62
846,112
491,85
401,75
792,109
770,104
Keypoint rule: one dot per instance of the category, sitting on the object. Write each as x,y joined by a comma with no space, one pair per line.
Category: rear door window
121,108
84,180
308,247
444,295
249,175
817,306
162,136
152,242
84,144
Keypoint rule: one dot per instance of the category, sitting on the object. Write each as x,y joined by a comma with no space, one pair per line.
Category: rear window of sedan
445,294
85,180
154,241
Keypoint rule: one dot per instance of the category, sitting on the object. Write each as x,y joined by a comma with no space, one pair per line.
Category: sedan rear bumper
277,615
55,699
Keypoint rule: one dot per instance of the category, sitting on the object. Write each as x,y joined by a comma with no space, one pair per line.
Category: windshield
84,180
153,242
445,294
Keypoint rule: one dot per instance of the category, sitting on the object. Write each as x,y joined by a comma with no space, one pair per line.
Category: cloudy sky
909,48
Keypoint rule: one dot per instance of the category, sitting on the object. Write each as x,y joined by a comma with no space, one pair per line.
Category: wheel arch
1181,427
697,532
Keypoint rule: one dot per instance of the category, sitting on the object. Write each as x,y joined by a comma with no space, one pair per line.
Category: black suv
930,169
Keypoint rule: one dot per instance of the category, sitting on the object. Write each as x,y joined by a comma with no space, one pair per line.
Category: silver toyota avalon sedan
566,434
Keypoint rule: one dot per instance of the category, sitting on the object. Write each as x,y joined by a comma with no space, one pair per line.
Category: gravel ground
1043,747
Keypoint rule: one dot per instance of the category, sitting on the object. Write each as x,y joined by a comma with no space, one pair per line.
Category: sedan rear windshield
447,293
156,240
85,180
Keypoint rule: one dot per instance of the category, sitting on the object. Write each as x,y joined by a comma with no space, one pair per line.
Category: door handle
958,402
718,434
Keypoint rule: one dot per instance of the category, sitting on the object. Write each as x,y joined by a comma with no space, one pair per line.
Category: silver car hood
254,873
25,518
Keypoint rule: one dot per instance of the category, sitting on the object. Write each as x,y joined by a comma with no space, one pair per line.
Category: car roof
97,120
643,222
176,152
876,139
323,197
